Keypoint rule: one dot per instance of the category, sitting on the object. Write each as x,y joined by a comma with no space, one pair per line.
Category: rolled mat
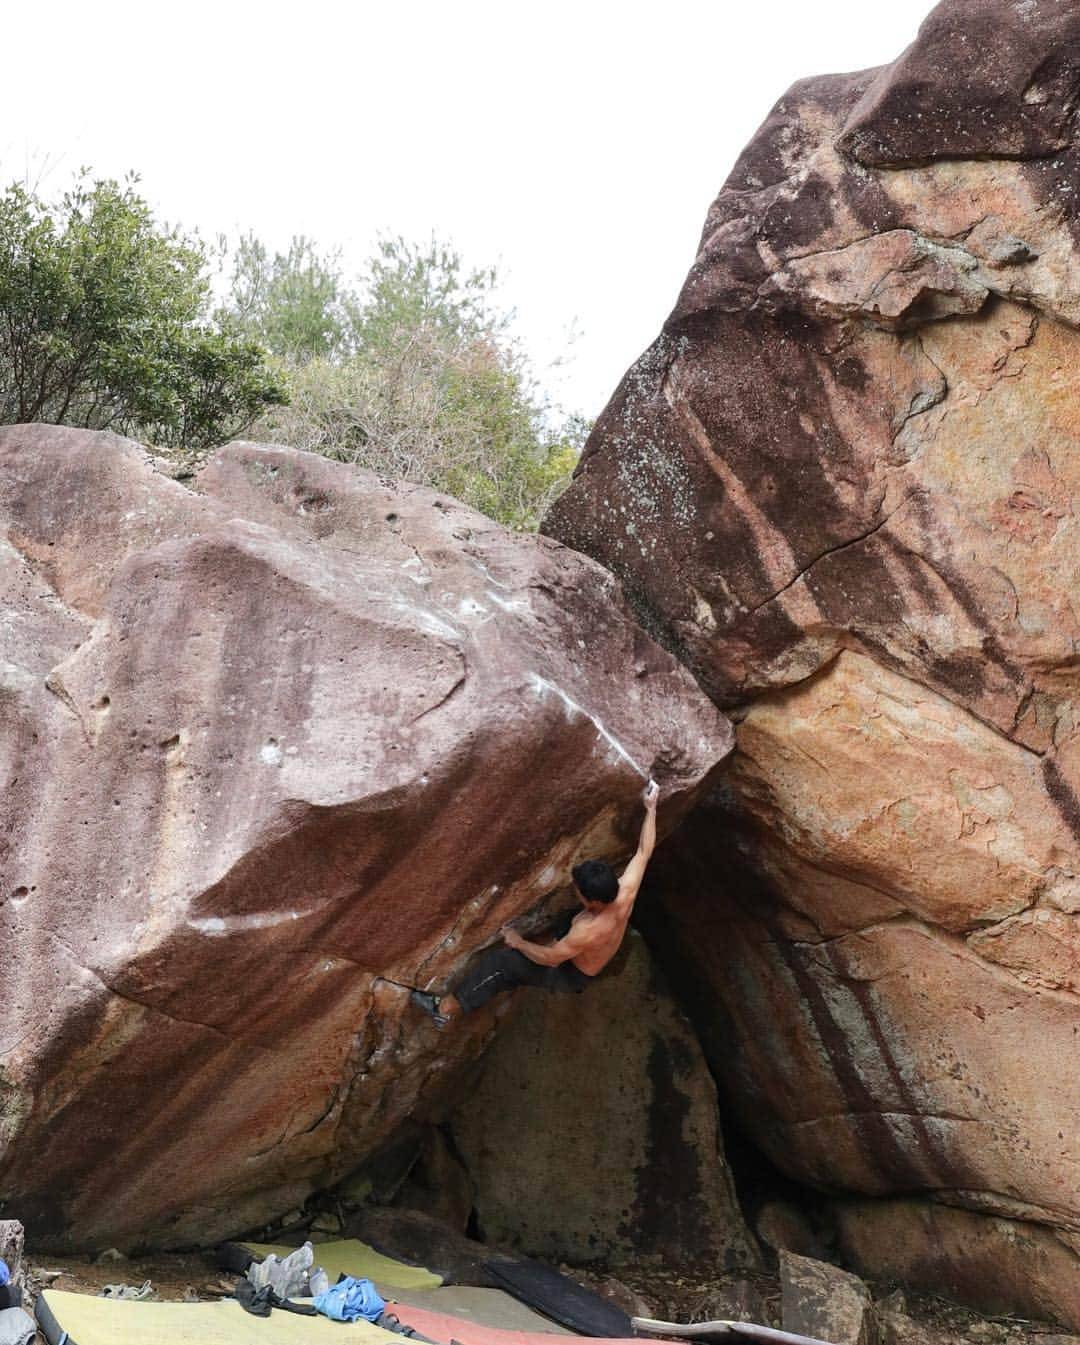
87,1320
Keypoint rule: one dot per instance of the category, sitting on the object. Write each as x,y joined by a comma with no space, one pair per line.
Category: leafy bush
105,324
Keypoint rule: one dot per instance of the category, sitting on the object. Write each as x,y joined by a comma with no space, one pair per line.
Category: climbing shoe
423,999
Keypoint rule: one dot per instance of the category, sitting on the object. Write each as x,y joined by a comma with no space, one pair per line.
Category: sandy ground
193,1277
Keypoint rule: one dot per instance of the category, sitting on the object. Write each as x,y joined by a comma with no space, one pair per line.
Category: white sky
577,144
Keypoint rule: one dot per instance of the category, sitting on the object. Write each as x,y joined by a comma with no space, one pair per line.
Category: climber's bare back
600,935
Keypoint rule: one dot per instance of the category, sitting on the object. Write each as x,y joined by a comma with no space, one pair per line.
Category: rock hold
895,280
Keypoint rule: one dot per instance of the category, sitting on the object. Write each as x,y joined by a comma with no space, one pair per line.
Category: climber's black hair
596,880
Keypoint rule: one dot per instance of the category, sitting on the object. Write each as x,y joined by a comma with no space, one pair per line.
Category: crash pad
559,1297
112,1321
442,1327
482,1307
349,1256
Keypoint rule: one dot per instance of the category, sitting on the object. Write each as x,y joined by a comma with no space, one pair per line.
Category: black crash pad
558,1297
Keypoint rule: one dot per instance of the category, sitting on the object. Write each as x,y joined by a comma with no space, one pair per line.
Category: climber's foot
423,999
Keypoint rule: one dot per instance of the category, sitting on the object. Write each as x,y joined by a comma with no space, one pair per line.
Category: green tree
104,323
428,385
408,288
294,303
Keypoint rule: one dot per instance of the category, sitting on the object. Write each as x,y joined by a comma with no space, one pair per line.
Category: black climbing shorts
505,969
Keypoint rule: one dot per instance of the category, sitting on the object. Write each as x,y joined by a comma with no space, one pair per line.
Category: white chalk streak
542,687
216,925
428,622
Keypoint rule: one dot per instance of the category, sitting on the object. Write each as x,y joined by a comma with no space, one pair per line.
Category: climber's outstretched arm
635,870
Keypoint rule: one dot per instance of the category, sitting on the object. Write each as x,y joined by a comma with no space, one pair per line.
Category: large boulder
842,486
996,1265
274,748
592,1133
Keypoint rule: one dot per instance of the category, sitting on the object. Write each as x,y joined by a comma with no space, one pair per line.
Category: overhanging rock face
272,749
592,1133
842,486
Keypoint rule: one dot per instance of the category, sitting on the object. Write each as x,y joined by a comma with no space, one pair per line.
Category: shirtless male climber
568,965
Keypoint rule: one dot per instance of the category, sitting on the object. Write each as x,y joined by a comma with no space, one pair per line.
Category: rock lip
981,80
274,748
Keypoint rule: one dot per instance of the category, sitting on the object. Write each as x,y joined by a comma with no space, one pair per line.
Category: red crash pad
442,1327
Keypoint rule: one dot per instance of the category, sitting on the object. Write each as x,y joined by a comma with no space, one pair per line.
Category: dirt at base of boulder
191,1277
642,1289
699,1295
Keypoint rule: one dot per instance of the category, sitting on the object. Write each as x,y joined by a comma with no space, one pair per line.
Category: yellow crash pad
348,1256
111,1321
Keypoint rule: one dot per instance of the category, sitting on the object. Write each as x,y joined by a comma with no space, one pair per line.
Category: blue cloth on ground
5,1274
349,1300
